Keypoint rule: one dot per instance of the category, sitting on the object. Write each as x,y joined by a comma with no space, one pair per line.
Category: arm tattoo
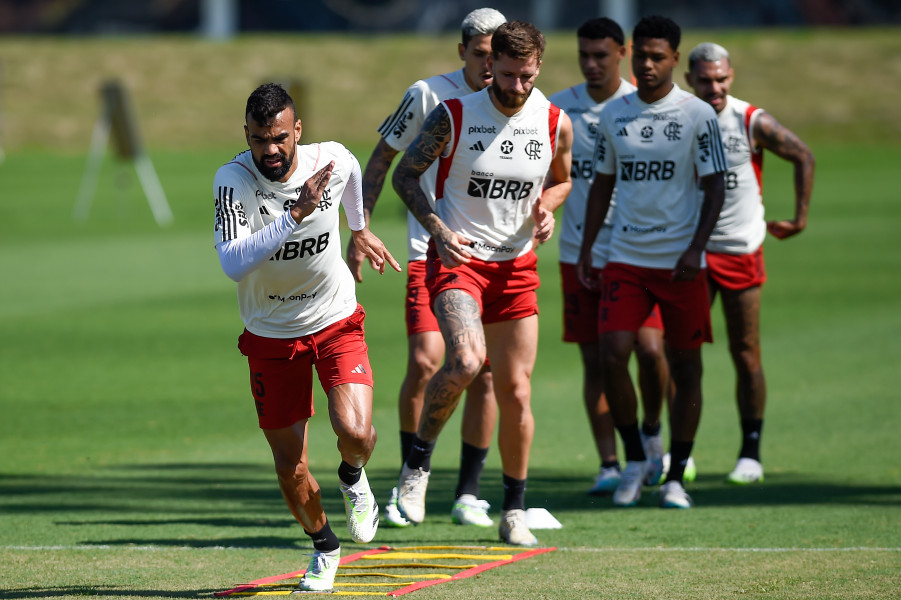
461,322
425,150
374,176
778,139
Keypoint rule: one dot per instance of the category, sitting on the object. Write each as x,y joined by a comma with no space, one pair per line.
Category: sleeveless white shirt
494,171
741,227
305,286
405,123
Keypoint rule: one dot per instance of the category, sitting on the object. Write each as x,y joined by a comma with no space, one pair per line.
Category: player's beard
508,100
275,173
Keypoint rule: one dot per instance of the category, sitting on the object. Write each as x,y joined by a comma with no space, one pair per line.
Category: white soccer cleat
653,450
362,510
628,491
513,528
605,481
392,516
320,575
673,495
747,470
690,473
469,510
411,488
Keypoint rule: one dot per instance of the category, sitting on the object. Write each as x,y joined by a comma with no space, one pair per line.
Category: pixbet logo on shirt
493,189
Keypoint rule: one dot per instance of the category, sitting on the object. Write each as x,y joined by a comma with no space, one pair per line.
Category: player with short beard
277,236
425,347
735,266
482,269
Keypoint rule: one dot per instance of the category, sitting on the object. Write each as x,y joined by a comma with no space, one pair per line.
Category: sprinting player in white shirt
735,266
504,162
277,236
652,145
601,48
425,346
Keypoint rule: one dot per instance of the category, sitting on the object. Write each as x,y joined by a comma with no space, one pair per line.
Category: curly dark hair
658,27
267,101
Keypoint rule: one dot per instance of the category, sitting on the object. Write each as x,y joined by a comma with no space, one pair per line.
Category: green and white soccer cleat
469,510
320,575
362,510
746,471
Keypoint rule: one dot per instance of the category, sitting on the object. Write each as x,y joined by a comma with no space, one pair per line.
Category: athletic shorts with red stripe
736,271
504,289
281,370
628,295
419,315
581,307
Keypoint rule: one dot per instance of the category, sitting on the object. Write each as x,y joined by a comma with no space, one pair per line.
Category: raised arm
768,133
425,149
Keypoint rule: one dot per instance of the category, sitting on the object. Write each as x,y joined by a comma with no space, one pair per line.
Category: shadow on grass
239,505
98,591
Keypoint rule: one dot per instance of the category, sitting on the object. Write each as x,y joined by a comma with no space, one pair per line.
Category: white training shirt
584,113
302,284
741,227
657,152
405,123
493,171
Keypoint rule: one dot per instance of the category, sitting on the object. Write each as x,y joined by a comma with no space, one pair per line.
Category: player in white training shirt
651,146
601,48
277,236
504,161
735,250
425,346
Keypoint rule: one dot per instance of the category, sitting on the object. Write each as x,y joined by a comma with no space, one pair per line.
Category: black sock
325,539
514,493
750,438
348,474
606,464
632,442
649,430
679,453
472,459
420,456
406,442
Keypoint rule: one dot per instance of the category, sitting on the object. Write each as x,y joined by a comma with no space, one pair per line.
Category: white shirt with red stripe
405,123
306,285
584,113
657,151
741,227
494,170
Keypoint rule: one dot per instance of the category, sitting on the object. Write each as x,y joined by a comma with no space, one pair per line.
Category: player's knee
289,469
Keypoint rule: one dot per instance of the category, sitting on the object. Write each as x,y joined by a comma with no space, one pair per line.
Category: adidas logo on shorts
359,369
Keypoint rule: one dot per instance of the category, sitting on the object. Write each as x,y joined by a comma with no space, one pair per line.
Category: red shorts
504,289
419,315
281,370
581,307
628,294
736,271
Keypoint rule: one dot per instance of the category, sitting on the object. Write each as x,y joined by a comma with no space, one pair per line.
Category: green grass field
131,465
